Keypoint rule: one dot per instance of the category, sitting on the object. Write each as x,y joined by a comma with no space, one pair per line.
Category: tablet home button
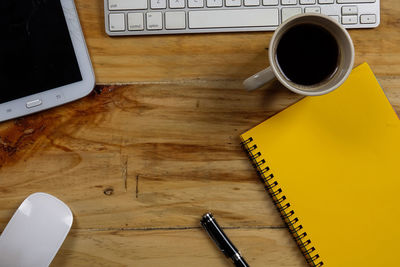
33,103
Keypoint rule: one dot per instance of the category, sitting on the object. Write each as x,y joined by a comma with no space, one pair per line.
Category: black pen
221,240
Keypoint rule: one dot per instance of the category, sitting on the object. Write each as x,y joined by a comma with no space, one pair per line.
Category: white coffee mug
344,63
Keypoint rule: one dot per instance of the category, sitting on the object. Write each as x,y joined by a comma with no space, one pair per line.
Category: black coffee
307,54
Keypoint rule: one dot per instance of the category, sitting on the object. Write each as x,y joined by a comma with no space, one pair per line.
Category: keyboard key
176,3
335,18
140,17
290,12
214,3
307,2
270,2
195,3
229,18
158,4
368,19
349,10
354,1
135,22
117,22
349,19
154,21
127,4
251,2
289,2
175,20
233,2
315,9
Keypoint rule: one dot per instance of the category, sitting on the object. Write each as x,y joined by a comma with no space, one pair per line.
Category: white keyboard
146,17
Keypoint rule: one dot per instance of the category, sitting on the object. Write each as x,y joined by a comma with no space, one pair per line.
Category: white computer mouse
35,232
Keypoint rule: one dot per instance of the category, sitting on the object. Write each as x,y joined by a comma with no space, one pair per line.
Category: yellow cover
336,160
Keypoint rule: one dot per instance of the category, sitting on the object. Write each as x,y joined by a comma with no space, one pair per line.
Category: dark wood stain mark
61,147
137,186
126,100
124,163
98,89
108,191
4,190
19,135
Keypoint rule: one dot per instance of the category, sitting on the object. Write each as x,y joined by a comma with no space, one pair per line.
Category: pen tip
207,217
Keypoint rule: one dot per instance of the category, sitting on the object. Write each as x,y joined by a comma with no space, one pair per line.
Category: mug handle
259,79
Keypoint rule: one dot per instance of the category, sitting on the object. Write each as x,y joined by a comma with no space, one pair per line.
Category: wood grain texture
138,248
166,152
138,160
157,144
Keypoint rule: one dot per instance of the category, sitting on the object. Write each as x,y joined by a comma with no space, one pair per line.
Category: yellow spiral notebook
331,165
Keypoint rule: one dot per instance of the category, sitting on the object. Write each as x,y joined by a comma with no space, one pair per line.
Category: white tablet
44,60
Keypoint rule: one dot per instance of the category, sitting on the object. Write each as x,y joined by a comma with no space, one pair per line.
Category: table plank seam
200,81
176,228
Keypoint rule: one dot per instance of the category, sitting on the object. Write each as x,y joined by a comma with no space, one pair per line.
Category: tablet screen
36,52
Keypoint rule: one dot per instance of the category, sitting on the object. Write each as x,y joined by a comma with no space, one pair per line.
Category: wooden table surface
156,145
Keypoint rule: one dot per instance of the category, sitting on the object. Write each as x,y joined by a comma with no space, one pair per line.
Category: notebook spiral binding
281,203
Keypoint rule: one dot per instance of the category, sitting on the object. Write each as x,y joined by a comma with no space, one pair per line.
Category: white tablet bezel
63,94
